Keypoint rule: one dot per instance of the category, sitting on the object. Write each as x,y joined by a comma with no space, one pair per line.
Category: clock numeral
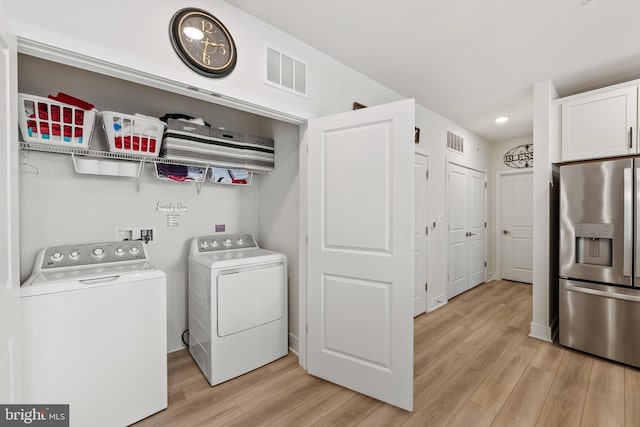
207,27
206,59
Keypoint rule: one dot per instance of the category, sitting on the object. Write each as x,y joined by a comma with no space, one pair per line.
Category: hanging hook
25,167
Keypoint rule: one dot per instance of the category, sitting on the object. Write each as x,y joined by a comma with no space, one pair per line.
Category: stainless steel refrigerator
599,258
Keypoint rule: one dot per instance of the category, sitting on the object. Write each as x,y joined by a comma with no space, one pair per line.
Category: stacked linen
190,141
229,176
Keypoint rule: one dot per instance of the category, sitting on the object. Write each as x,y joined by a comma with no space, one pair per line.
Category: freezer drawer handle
574,288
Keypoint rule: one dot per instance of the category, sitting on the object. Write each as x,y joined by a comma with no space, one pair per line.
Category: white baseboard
491,277
540,332
294,344
175,344
436,302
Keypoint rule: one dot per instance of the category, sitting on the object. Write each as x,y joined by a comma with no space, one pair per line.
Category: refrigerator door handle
613,295
627,260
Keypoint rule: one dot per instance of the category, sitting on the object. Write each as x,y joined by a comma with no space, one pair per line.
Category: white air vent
455,142
286,72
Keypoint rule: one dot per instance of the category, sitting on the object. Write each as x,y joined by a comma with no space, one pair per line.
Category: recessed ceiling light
502,119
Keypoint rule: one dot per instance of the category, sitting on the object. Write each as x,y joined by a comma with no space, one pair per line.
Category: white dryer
94,333
237,305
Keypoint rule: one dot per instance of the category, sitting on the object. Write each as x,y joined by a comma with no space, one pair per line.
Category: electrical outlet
146,235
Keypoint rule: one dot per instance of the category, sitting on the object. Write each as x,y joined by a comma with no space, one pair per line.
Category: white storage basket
46,121
132,134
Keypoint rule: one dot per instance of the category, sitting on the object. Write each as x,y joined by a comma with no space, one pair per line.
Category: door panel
360,251
357,210
516,207
458,257
476,228
9,251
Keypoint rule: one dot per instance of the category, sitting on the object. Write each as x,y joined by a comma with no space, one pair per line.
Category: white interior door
360,251
466,217
476,227
9,251
516,234
420,234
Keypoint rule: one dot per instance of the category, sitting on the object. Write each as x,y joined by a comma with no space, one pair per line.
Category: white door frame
498,207
10,339
448,161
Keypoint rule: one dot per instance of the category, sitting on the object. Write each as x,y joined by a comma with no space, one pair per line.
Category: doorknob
506,232
469,234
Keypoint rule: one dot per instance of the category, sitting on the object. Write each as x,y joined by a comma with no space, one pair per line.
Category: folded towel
238,174
195,173
220,175
172,170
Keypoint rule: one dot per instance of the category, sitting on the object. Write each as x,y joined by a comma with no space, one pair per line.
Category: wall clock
202,42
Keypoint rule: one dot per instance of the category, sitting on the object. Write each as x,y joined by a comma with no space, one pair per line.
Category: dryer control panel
92,253
225,242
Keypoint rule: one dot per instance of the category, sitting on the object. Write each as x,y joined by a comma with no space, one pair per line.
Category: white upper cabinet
600,125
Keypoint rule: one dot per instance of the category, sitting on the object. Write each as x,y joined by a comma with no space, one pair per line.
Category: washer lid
237,257
70,279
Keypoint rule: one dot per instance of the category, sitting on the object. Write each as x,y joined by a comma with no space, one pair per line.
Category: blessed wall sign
520,157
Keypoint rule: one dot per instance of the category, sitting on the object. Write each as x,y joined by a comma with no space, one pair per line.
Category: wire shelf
57,149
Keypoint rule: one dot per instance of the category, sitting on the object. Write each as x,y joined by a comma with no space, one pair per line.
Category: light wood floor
474,366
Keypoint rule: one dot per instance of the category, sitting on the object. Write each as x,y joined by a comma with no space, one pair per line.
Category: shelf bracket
139,177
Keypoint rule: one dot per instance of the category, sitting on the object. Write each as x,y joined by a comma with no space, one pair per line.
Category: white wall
544,320
433,137
135,35
278,212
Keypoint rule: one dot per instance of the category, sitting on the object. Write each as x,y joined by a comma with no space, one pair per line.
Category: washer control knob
98,252
119,251
227,242
134,250
57,256
204,244
214,243
74,255
240,241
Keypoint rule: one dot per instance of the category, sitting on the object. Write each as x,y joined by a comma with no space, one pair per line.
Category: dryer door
250,298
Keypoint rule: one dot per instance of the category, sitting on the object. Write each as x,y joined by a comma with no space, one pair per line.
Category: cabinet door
600,125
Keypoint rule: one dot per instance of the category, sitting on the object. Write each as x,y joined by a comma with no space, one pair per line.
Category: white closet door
465,201
457,216
9,250
420,230
517,226
360,253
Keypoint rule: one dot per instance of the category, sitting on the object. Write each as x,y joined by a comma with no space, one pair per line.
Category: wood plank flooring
474,366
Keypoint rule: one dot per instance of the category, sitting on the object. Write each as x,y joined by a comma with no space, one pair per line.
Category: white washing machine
94,333
237,305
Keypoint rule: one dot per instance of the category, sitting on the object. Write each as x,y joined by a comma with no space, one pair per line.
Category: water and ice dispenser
594,244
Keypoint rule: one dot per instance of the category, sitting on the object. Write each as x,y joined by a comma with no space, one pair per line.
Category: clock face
203,43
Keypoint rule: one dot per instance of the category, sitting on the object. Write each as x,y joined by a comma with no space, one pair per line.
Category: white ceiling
468,60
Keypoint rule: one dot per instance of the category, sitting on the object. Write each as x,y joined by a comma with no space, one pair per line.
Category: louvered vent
286,72
455,142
